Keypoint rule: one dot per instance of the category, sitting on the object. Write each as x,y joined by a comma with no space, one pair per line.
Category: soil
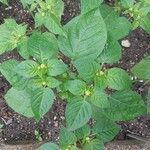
19,129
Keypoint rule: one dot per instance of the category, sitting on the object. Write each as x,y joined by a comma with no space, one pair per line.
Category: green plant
142,71
89,40
139,12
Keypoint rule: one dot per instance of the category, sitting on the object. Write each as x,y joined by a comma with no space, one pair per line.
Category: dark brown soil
18,128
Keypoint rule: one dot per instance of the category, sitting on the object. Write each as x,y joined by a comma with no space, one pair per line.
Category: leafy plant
139,12
89,41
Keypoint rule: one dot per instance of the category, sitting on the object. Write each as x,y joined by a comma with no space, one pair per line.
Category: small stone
125,43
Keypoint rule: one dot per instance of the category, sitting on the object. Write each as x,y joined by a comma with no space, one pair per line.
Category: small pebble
125,43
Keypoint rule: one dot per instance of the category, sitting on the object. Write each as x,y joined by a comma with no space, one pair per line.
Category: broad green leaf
99,98
76,87
27,2
82,132
23,48
41,101
7,70
66,138
94,145
56,67
86,68
88,5
27,68
41,48
4,1
104,127
78,113
118,79
117,27
125,105
48,146
111,53
146,23
142,69
19,101
11,35
86,36
127,3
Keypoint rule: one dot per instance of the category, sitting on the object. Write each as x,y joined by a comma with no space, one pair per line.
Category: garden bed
18,129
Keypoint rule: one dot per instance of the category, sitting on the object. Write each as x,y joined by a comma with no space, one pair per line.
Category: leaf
56,67
78,113
127,3
41,48
88,5
50,15
146,23
104,127
23,48
142,69
118,79
76,87
19,101
82,132
53,24
125,105
94,145
86,36
47,146
117,27
27,68
7,70
27,2
11,35
86,68
66,138
99,98
111,53
4,2
41,101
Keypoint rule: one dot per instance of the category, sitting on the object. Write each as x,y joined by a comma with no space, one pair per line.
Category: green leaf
78,113
47,146
82,132
11,35
76,87
27,68
117,27
86,36
41,101
86,68
88,5
125,105
118,79
50,15
104,127
142,69
41,47
23,48
94,145
146,23
111,53
66,138
56,67
19,101
127,3
99,98
7,70
4,2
